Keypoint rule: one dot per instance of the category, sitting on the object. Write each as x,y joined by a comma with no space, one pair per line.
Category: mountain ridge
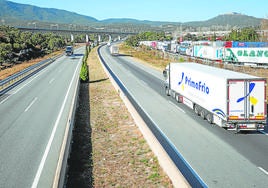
12,12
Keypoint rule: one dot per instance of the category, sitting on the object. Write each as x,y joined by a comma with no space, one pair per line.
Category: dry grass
18,67
153,58
121,156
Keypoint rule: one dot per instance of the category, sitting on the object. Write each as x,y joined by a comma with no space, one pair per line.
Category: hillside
14,13
239,20
10,11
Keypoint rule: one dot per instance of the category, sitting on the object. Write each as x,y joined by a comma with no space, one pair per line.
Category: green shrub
84,72
84,69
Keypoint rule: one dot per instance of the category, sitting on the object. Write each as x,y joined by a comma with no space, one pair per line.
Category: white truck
114,50
245,55
232,100
208,52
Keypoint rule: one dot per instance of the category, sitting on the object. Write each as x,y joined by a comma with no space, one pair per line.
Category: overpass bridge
115,33
55,29
100,32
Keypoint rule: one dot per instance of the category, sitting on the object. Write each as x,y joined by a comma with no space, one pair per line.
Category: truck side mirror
165,73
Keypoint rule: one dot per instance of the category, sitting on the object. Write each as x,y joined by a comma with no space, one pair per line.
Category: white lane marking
42,163
29,106
143,83
36,76
264,171
29,81
52,80
265,133
176,106
5,99
17,90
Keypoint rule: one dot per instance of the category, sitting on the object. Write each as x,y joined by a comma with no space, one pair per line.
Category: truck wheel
209,118
196,109
203,114
167,91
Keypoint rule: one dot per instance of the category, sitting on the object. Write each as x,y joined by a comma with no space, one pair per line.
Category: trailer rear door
246,100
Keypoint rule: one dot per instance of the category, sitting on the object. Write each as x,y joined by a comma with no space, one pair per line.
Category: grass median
115,153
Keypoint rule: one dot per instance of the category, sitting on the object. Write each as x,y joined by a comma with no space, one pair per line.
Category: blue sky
156,10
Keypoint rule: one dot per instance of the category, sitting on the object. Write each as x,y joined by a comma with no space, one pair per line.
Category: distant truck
232,100
69,50
246,55
114,50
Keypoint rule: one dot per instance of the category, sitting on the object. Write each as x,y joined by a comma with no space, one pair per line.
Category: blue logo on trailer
251,87
219,112
198,85
253,100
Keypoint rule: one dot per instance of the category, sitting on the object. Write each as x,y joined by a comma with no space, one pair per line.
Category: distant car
69,50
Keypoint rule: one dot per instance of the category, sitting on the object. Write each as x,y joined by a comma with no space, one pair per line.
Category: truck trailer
245,55
114,50
232,100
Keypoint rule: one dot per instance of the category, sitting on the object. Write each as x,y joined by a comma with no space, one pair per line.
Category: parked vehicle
243,55
69,50
235,101
207,52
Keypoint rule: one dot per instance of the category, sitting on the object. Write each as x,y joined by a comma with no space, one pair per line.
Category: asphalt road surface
33,119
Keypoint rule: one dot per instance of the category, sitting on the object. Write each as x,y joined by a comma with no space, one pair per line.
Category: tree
55,42
149,36
132,41
12,35
30,45
5,49
245,34
37,39
25,40
264,28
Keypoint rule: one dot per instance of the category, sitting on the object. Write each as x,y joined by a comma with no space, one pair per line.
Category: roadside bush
84,69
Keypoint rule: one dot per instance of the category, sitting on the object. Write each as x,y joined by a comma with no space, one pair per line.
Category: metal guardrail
13,80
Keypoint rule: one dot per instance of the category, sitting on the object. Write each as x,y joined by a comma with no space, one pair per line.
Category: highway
221,158
33,120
